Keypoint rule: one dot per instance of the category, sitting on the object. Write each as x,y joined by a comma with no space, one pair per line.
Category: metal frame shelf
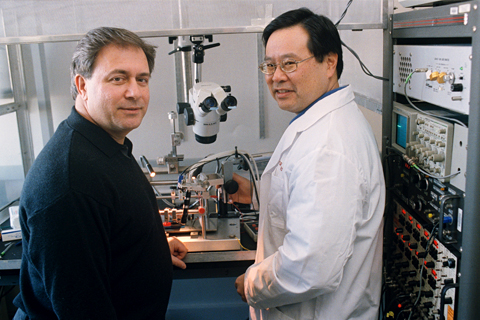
448,24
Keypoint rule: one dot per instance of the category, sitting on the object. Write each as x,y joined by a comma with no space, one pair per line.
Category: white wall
233,63
368,44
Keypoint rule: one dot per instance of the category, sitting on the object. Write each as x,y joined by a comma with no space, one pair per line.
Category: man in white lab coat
319,253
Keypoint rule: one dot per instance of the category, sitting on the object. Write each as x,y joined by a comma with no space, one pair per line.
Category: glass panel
11,165
6,92
47,17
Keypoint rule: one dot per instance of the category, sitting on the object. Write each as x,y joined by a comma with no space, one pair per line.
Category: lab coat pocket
277,203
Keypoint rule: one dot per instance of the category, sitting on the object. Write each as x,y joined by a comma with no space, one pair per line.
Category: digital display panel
401,136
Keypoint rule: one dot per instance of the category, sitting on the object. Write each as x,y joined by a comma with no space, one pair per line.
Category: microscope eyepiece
208,104
229,103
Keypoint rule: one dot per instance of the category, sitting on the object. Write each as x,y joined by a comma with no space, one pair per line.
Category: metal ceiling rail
166,33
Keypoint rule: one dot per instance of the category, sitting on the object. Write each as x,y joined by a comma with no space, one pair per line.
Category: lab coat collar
321,108
317,111
326,94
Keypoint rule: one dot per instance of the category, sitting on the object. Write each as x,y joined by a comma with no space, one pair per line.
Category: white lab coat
322,197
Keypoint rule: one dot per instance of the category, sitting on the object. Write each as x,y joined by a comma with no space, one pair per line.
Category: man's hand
244,193
178,252
240,285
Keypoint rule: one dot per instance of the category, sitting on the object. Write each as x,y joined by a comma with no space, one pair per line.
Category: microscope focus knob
189,116
181,107
231,186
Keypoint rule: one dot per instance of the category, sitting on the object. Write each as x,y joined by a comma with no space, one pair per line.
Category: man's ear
81,85
331,59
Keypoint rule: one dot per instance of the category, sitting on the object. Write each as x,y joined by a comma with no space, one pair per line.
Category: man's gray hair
87,50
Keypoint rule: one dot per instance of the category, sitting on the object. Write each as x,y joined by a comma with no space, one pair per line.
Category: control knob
456,87
449,263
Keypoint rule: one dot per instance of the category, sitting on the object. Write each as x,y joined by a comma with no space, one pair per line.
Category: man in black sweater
93,240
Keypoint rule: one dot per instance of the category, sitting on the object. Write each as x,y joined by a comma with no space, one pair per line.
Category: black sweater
94,246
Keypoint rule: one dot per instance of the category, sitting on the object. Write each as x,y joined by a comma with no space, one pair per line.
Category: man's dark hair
323,34
87,49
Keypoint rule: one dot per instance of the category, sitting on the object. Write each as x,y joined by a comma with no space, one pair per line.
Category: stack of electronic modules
425,170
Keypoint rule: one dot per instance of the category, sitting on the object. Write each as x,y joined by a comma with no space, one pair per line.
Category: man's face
116,96
296,90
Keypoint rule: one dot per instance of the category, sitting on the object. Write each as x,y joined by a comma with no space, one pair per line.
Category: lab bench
213,264
199,264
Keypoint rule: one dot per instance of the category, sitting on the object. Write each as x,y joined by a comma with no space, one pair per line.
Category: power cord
362,65
344,13
412,163
442,297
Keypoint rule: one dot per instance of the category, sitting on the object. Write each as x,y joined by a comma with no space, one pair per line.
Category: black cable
217,170
427,249
252,178
447,287
362,65
381,309
403,310
344,13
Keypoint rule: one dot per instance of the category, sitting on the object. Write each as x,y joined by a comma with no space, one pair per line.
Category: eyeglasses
288,65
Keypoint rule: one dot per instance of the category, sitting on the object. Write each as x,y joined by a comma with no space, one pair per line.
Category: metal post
469,299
